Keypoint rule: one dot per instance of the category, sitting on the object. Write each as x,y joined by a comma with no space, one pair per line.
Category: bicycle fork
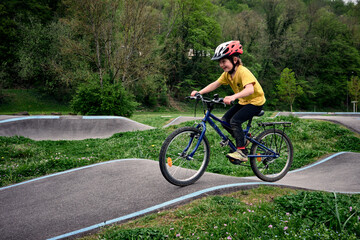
192,137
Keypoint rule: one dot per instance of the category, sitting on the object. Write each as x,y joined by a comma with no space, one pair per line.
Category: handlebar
215,99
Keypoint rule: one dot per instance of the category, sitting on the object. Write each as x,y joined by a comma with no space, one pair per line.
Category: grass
28,100
261,213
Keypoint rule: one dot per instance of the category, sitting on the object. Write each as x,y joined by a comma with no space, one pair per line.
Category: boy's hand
193,93
229,99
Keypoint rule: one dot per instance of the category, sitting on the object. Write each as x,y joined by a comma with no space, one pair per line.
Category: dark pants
237,115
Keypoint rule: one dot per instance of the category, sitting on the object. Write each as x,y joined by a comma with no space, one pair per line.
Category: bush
111,99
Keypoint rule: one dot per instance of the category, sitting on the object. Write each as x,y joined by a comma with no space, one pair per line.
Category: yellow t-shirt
243,77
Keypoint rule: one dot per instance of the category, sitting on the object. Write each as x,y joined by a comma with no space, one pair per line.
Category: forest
112,56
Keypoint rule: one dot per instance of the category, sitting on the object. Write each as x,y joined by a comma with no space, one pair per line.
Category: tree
287,87
14,15
193,33
115,36
281,44
92,21
280,16
156,47
354,88
118,39
330,57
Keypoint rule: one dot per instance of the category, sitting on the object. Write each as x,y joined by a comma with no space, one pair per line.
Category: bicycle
185,153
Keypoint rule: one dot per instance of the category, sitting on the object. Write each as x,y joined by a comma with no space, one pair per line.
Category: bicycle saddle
261,113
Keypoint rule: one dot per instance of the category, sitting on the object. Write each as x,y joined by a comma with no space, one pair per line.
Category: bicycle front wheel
176,165
272,169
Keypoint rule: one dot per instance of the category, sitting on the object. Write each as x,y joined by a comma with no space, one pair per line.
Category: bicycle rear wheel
176,165
268,168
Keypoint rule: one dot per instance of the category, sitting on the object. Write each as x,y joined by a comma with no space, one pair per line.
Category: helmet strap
234,65
232,70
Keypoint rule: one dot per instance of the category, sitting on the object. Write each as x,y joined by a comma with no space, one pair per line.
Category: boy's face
226,64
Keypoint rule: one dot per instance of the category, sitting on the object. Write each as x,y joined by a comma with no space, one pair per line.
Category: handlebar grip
197,96
221,100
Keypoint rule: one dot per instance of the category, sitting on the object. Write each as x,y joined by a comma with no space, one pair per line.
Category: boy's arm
209,88
247,91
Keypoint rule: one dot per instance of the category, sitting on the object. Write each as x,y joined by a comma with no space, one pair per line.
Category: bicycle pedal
235,161
224,143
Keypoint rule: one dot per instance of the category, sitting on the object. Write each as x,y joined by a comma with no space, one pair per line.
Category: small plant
319,209
137,233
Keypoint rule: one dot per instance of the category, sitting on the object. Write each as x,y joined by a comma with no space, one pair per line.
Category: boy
246,88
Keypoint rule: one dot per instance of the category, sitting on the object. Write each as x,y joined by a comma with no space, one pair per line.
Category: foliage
57,45
115,37
2,98
138,233
354,88
336,212
38,54
152,91
13,12
110,99
287,87
188,43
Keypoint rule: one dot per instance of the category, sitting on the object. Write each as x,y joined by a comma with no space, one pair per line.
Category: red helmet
227,49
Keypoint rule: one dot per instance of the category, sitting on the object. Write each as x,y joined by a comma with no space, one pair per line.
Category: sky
354,1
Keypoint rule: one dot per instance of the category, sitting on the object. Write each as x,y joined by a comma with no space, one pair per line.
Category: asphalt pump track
67,127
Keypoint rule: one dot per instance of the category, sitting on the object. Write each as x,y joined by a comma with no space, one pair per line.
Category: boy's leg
244,114
229,115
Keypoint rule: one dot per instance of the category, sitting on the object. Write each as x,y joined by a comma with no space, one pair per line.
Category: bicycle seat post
249,124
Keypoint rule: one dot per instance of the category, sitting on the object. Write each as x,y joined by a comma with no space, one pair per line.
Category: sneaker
237,155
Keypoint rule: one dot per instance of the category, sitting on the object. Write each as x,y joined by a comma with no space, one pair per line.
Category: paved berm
74,202
67,127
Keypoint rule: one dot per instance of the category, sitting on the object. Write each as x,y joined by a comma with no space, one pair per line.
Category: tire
174,164
267,168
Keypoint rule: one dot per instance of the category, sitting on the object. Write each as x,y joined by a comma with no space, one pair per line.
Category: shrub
110,99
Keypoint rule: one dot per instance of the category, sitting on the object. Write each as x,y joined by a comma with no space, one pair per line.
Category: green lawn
31,101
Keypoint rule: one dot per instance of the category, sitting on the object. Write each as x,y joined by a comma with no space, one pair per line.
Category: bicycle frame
208,118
